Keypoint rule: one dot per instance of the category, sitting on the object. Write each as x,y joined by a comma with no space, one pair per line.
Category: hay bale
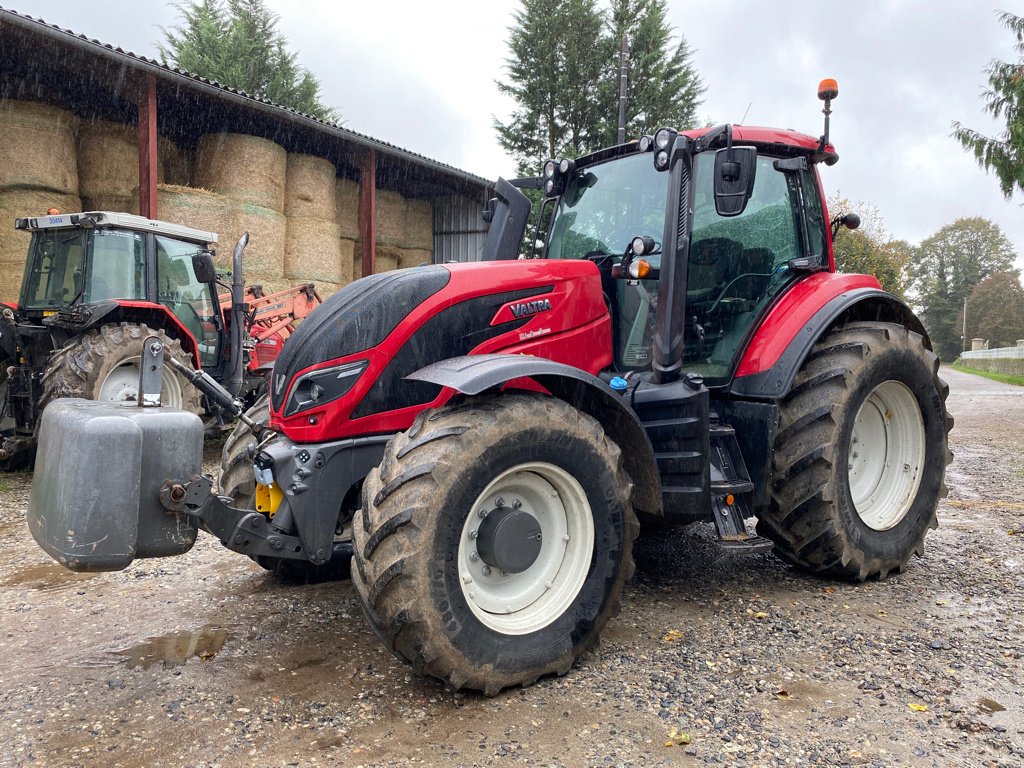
121,203
201,209
313,251
419,224
175,163
14,204
391,215
267,231
245,168
108,160
413,257
346,203
387,258
325,289
37,147
309,188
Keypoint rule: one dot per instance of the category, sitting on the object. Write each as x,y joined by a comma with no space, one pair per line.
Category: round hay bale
413,257
201,209
108,159
175,163
419,224
309,188
37,147
387,258
128,203
245,168
267,230
313,251
346,202
325,289
15,204
390,218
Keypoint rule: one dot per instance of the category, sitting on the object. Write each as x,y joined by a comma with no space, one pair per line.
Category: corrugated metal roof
144,63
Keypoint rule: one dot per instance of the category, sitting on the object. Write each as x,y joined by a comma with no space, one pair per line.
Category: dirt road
205,660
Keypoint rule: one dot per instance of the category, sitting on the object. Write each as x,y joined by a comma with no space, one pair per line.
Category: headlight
549,169
663,138
549,186
566,165
318,387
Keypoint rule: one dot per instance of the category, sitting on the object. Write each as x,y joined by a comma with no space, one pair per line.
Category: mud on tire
103,364
860,454
422,574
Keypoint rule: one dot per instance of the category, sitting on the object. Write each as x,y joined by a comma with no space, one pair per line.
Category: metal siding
459,230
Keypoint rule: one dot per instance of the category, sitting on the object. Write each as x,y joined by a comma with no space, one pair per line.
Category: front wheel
494,540
860,454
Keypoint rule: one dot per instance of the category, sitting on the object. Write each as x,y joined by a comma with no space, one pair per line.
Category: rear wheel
103,364
494,541
237,481
860,454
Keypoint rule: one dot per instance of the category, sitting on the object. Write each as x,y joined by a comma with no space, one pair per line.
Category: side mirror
202,265
734,179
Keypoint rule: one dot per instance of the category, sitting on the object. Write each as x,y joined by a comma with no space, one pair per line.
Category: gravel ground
205,660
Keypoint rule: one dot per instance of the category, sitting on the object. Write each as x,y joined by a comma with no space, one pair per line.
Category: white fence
989,354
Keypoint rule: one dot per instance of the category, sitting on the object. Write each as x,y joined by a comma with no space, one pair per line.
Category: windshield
605,206
53,272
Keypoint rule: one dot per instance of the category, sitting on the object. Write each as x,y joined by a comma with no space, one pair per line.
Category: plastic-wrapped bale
391,217
313,252
346,203
245,168
419,224
37,147
387,258
201,209
108,166
413,257
18,203
309,189
264,256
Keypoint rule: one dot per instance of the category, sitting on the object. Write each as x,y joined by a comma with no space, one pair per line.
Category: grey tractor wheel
103,364
236,480
860,454
494,540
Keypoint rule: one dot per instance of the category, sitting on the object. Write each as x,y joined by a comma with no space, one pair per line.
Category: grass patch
1005,378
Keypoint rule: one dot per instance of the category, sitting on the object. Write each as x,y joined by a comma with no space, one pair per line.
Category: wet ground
206,660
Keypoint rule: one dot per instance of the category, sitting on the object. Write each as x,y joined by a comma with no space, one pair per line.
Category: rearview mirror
202,265
734,179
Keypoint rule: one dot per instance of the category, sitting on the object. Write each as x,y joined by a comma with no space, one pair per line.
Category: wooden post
147,150
368,210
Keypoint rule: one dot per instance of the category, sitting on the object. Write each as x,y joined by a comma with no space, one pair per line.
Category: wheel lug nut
517,504
473,533
473,556
482,513
487,570
499,502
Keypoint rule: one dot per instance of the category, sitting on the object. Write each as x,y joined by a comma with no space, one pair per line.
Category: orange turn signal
730,499
640,268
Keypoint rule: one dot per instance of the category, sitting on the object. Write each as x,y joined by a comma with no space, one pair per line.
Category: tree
237,44
1004,100
663,87
869,249
563,74
945,270
995,310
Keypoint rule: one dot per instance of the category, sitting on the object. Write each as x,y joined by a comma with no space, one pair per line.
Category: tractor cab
81,264
612,210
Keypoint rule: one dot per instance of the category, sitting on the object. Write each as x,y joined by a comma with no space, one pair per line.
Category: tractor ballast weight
478,438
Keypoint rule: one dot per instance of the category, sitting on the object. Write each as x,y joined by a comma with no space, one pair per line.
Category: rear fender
865,303
474,374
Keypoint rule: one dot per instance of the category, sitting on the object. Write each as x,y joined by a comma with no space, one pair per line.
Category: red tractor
481,438
95,285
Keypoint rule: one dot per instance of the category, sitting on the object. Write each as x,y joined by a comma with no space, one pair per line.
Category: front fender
474,374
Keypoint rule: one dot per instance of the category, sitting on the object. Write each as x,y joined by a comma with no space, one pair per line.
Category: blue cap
619,384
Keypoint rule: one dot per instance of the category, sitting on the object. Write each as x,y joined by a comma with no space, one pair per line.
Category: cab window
190,301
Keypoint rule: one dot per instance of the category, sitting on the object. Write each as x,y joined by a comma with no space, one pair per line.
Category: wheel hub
509,539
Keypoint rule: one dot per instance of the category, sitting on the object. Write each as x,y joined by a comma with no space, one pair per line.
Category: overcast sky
421,75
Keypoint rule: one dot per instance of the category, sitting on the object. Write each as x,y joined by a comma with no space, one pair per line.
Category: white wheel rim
121,385
886,456
519,603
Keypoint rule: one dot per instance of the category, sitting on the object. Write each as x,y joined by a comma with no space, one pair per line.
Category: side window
815,217
118,266
189,300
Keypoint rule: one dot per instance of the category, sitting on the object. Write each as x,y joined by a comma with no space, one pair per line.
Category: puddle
990,706
175,648
45,577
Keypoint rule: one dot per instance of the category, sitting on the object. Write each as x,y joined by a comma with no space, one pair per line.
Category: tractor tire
860,454
103,364
237,482
22,459
493,541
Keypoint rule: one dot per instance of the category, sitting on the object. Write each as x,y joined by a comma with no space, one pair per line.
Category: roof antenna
743,119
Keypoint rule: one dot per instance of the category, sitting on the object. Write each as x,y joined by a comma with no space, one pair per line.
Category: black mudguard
474,374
